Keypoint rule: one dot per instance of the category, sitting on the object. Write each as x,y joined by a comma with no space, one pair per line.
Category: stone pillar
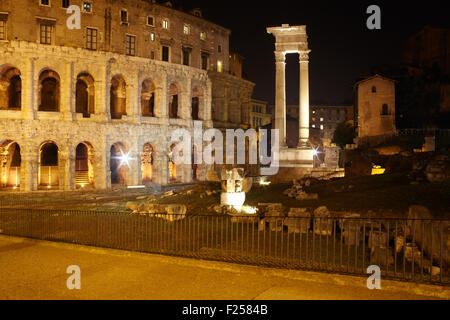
67,168
280,97
102,94
28,171
135,166
162,99
186,100
67,92
162,167
304,100
29,86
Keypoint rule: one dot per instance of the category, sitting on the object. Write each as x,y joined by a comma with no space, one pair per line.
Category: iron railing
412,250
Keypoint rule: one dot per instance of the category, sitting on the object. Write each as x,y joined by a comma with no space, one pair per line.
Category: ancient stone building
95,107
375,108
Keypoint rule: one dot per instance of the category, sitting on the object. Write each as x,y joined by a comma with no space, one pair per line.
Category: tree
343,134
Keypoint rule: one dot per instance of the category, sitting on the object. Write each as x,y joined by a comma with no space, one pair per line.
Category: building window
65,3
374,89
130,45
2,30
45,2
165,53
152,36
124,16
219,66
91,39
87,7
205,59
186,55
150,21
165,24
202,35
152,55
385,110
46,34
313,125
219,48
321,127
321,119
186,29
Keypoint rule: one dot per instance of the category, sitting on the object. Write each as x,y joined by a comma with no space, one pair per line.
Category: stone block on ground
323,224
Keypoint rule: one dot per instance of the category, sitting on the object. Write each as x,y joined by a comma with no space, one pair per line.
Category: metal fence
412,250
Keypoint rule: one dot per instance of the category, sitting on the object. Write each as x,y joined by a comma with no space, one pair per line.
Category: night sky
343,49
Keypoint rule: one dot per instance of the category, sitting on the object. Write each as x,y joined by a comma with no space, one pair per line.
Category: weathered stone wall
31,128
371,120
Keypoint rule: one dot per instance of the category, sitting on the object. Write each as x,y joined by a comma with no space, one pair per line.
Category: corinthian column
280,97
304,100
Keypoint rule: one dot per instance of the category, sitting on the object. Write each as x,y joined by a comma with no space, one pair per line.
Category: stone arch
84,165
10,88
197,103
118,164
10,164
49,91
118,97
48,175
85,94
174,101
148,98
148,163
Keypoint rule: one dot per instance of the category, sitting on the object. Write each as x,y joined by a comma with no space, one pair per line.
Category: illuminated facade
76,103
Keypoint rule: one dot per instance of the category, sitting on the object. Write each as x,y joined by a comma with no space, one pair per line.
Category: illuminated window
203,35
46,31
2,30
321,127
165,24
130,48
152,36
87,7
314,111
219,66
150,21
313,125
65,3
123,16
91,39
321,119
186,29
45,2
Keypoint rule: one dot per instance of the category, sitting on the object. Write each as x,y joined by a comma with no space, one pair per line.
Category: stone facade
76,116
375,107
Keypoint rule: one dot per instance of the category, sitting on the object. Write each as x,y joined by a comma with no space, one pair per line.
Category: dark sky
343,49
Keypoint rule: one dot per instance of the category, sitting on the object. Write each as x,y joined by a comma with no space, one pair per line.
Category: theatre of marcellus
73,102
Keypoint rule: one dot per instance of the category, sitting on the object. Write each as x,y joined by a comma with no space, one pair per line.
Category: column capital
280,57
304,56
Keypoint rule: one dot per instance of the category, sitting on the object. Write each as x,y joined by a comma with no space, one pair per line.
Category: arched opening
48,166
147,161
84,166
85,95
174,170
49,91
119,164
10,165
196,98
148,98
118,97
173,102
10,89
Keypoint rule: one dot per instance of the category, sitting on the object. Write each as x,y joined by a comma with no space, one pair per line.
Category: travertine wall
31,128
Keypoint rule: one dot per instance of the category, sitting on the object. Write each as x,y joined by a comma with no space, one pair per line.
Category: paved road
33,269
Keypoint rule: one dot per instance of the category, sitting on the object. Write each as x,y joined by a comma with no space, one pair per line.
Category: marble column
280,97
304,100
